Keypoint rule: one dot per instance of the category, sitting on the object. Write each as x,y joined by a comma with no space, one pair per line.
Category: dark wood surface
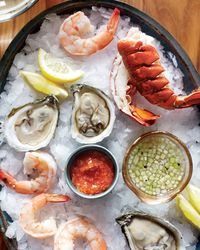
180,18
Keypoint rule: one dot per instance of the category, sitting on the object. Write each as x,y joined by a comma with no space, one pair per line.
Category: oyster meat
146,232
31,127
93,114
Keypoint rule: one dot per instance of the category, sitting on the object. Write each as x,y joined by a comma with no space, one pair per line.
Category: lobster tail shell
123,92
187,101
143,116
125,48
141,59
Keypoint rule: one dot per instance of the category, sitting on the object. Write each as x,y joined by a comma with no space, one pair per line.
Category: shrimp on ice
28,220
82,228
77,25
40,167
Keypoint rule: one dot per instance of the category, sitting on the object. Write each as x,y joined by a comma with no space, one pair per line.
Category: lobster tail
146,71
187,101
141,59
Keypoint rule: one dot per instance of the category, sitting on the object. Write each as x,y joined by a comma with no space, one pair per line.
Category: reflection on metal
12,8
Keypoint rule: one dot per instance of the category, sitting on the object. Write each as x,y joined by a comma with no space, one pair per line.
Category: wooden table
180,17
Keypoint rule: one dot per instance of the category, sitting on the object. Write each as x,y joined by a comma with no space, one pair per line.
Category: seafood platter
99,133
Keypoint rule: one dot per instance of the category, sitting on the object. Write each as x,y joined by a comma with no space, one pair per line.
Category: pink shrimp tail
116,12
57,198
114,20
8,179
104,38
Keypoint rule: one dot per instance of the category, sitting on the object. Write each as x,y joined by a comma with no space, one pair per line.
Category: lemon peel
56,70
194,196
43,85
188,210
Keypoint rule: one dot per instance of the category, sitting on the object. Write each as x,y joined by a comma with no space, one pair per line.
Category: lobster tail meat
140,60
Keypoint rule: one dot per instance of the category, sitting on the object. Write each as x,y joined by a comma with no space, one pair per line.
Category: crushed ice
182,123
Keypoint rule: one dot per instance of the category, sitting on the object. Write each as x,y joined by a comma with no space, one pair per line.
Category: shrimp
28,221
79,227
40,167
77,25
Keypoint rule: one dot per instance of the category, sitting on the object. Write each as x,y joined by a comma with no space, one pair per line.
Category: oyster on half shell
93,114
147,232
31,126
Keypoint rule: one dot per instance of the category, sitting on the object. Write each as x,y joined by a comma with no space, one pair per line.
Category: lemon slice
55,69
187,209
43,85
194,196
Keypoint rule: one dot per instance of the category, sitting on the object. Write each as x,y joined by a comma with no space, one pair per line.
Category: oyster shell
31,126
93,114
147,232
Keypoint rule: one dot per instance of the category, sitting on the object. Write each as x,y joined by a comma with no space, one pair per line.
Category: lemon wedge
55,69
188,210
43,85
194,196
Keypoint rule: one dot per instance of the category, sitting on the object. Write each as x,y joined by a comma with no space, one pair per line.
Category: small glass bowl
12,8
171,194
75,154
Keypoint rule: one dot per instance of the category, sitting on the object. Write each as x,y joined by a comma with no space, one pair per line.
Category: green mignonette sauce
156,165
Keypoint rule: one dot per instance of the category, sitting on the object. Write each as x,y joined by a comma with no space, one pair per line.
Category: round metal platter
148,25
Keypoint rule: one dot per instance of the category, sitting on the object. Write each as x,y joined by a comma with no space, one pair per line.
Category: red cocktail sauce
92,172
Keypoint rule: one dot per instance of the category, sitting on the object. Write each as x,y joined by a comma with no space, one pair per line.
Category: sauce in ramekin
92,172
